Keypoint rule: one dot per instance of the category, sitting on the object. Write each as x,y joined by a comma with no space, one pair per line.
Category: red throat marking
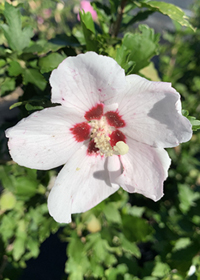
91,148
117,136
81,131
114,119
95,113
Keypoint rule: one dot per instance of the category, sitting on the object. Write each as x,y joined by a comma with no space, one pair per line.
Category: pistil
100,133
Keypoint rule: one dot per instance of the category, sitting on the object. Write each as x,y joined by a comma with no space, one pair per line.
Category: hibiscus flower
109,131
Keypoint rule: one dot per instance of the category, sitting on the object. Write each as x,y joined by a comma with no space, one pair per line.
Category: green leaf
18,247
103,13
25,188
161,269
112,213
33,76
34,48
78,263
2,62
195,123
182,243
88,31
7,85
15,105
33,246
17,37
50,62
114,4
137,49
181,260
128,246
26,184
8,226
123,59
172,11
135,228
140,16
65,40
187,197
15,68
7,201
112,272
5,178
136,211
86,18
30,107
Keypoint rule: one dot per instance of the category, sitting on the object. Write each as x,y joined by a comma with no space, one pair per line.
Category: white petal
85,80
145,169
115,169
152,113
43,140
81,184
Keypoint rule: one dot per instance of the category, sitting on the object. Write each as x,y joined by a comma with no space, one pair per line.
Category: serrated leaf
78,263
33,76
17,37
112,272
128,246
187,197
172,11
50,62
139,48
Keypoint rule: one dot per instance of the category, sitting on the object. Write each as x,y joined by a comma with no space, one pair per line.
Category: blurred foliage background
126,236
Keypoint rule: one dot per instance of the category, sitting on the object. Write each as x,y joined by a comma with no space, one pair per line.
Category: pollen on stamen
107,141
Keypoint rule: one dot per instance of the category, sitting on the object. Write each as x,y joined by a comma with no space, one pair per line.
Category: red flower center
102,131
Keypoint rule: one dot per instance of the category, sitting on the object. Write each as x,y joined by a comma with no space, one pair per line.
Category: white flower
109,131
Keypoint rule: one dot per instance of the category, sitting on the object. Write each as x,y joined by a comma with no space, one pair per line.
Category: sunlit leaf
172,11
17,37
